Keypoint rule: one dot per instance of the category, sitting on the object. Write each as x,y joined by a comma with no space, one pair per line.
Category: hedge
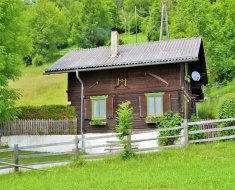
47,112
226,109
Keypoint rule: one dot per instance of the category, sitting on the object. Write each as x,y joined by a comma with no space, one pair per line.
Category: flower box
96,123
152,119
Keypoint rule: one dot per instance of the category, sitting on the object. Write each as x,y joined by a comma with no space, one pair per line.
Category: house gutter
120,66
82,106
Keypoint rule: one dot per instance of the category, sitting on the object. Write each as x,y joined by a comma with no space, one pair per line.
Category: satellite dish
196,76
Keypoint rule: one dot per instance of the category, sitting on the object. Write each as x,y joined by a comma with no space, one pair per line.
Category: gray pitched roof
158,52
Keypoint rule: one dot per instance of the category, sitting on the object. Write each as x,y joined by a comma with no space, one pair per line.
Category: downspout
82,106
185,107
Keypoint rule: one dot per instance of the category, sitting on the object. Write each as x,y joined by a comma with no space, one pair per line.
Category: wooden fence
210,134
75,151
39,127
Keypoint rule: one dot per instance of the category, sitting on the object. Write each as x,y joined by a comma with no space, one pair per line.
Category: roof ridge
104,47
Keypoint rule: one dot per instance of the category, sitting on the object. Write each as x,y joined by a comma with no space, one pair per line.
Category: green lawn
204,166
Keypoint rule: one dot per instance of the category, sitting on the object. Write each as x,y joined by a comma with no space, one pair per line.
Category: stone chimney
114,42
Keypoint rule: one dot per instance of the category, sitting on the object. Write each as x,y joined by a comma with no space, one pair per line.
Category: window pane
102,108
151,105
158,105
96,108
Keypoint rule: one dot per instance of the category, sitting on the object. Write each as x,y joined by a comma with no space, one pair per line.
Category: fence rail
39,127
76,141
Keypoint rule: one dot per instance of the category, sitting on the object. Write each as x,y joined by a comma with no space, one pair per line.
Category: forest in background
33,31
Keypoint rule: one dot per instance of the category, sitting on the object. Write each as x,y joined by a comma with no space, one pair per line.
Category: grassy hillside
201,166
141,37
38,89
208,108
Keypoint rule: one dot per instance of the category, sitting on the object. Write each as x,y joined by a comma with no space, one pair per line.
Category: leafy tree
151,24
93,22
13,46
49,29
220,40
133,24
142,6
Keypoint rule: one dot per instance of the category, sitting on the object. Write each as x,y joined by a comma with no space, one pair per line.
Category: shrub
167,121
226,109
38,60
47,112
124,117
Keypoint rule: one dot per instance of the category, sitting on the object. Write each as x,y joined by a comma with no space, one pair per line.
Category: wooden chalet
155,76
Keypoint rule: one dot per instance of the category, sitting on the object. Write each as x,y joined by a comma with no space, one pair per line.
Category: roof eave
120,66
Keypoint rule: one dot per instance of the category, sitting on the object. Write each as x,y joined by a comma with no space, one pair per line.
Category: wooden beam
27,167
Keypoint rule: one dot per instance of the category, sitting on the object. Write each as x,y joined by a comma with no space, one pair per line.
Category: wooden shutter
109,108
143,106
87,108
166,103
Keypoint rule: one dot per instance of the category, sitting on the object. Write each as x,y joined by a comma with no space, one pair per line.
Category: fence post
185,125
16,157
76,148
129,139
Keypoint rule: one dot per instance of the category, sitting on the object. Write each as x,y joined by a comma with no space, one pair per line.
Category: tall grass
208,108
205,166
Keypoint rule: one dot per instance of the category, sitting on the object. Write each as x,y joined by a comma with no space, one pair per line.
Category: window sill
97,124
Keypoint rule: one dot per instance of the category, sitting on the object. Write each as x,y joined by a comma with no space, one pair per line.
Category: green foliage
195,118
13,46
151,24
38,60
126,153
208,108
47,112
93,22
133,26
167,121
226,109
142,6
97,122
124,126
49,29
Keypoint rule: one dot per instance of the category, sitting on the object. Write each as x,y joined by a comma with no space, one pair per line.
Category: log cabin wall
138,82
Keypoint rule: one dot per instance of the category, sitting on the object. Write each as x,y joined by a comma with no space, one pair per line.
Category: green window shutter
87,108
143,106
109,108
